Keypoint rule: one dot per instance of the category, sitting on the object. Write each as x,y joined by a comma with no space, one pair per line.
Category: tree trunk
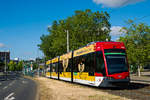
139,73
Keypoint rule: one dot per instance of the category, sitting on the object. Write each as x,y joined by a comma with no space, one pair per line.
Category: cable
142,18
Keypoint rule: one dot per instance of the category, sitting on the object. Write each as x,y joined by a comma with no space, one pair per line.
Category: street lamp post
38,68
67,40
45,65
5,69
5,63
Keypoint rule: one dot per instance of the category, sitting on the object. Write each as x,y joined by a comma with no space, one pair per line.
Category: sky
22,22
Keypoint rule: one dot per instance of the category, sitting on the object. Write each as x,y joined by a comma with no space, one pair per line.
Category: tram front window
116,64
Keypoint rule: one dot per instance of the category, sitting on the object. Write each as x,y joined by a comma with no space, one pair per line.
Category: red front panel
120,75
98,74
109,45
101,46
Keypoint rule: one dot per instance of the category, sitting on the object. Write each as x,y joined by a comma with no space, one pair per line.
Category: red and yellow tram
98,64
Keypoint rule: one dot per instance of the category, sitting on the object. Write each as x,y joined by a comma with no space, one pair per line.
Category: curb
142,82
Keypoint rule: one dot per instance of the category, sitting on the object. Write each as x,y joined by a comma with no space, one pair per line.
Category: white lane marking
9,85
24,82
12,98
9,97
0,83
12,83
5,87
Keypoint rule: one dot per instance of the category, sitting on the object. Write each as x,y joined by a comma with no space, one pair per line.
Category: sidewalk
144,78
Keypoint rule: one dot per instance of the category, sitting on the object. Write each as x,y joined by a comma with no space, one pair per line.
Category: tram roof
89,48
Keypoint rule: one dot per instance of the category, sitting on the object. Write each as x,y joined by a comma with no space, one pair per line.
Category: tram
97,64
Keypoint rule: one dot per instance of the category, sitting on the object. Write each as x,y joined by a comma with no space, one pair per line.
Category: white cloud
115,30
2,45
115,3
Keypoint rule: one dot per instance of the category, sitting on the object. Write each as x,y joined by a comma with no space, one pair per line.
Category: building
5,56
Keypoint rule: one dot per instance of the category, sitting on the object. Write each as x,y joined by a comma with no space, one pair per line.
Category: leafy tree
84,27
35,65
19,66
12,65
137,41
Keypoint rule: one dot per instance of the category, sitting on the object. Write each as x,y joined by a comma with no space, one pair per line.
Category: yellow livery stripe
84,50
65,74
54,74
83,76
66,56
48,62
55,60
47,73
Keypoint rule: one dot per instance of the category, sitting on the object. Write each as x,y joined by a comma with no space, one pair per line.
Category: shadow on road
134,86
131,86
147,75
136,91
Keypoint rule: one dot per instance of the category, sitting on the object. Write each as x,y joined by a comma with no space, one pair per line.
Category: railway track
135,91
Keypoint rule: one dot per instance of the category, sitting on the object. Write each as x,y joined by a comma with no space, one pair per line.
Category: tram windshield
116,63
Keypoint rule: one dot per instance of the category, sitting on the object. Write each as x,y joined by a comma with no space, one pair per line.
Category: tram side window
81,60
51,67
100,67
56,67
69,66
87,62
48,68
61,66
93,62
90,62
75,64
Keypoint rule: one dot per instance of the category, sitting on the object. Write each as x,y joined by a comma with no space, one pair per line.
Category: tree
12,65
137,41
19,66
35,65
84,27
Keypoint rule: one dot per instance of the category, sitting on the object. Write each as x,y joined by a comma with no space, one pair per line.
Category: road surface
15,87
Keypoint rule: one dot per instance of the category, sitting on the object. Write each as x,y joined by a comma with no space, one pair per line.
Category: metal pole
45,66
5,63
5,67
38,68
67,41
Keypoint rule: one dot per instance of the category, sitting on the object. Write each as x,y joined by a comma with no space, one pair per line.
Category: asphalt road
16,87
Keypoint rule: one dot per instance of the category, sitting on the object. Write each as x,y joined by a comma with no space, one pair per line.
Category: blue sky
22,22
